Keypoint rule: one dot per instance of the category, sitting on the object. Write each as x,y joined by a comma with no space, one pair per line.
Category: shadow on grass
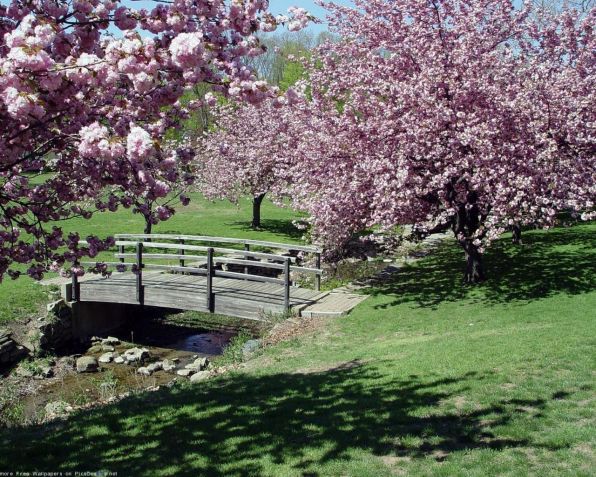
301,420
274,226
550,262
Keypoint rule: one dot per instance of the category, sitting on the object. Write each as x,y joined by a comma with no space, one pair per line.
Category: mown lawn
24,297
423,378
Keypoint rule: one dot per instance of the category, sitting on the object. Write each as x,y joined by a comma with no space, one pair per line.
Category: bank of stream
50,385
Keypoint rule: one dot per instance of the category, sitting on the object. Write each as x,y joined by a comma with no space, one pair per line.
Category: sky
275,6
281,6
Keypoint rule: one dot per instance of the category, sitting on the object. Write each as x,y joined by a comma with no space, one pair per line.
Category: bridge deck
235,297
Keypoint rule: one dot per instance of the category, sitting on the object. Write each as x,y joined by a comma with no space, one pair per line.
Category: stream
181,344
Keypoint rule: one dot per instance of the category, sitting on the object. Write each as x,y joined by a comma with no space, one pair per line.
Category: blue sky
281,6
275,6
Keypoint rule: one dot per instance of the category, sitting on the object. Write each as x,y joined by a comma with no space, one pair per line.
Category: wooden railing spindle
181,252
210,273
76,287
140,291
287,284
246,249
318,276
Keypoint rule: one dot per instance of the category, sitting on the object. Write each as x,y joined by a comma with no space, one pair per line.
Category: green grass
426,377
23,297
200,217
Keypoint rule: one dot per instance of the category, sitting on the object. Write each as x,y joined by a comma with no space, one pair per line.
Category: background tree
462,115
243,153
83,112
156,201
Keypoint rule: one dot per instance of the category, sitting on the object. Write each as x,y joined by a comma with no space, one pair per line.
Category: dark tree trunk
466,223
474,269
148,227
256,211
516,232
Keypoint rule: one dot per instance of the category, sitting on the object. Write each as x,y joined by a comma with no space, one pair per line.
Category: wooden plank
244,276
265,292
128,264
235,284
176,268
173,256
334,304
249,263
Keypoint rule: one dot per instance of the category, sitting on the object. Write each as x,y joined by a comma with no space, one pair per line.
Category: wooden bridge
236,277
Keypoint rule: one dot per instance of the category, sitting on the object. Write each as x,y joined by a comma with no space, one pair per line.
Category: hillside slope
426,377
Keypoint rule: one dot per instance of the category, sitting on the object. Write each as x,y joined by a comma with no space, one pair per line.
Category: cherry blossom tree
244,155
447,114
83,110
156,203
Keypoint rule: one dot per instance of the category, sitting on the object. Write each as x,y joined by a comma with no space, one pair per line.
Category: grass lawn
424,378
24,297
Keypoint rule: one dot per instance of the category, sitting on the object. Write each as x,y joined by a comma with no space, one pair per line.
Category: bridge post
181,252
140,290
246,249
317,276
75,293
287,284
210,273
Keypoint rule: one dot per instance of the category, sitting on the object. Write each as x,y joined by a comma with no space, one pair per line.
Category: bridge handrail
227,260
202,248
212,239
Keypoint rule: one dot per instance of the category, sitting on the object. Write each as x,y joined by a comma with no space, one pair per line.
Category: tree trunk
256,211
148,227
466,222
516,231
474,269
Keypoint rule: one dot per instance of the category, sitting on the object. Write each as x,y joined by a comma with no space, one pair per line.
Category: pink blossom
187,49
161,189
139,144
124,19
164,213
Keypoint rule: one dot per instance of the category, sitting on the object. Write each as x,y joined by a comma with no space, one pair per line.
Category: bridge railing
204,260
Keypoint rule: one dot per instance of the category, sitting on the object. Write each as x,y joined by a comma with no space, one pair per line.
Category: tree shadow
283,227
558,261
303,420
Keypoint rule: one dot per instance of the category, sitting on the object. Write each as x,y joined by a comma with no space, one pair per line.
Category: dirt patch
459,402
527,409
294,328
586,450
337,366
439,455
394,462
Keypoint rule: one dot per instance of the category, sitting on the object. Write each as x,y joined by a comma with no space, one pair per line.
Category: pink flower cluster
454,115
91,108
244,154
459,115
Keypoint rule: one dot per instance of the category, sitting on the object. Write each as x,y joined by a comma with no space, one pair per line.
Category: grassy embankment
426,377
